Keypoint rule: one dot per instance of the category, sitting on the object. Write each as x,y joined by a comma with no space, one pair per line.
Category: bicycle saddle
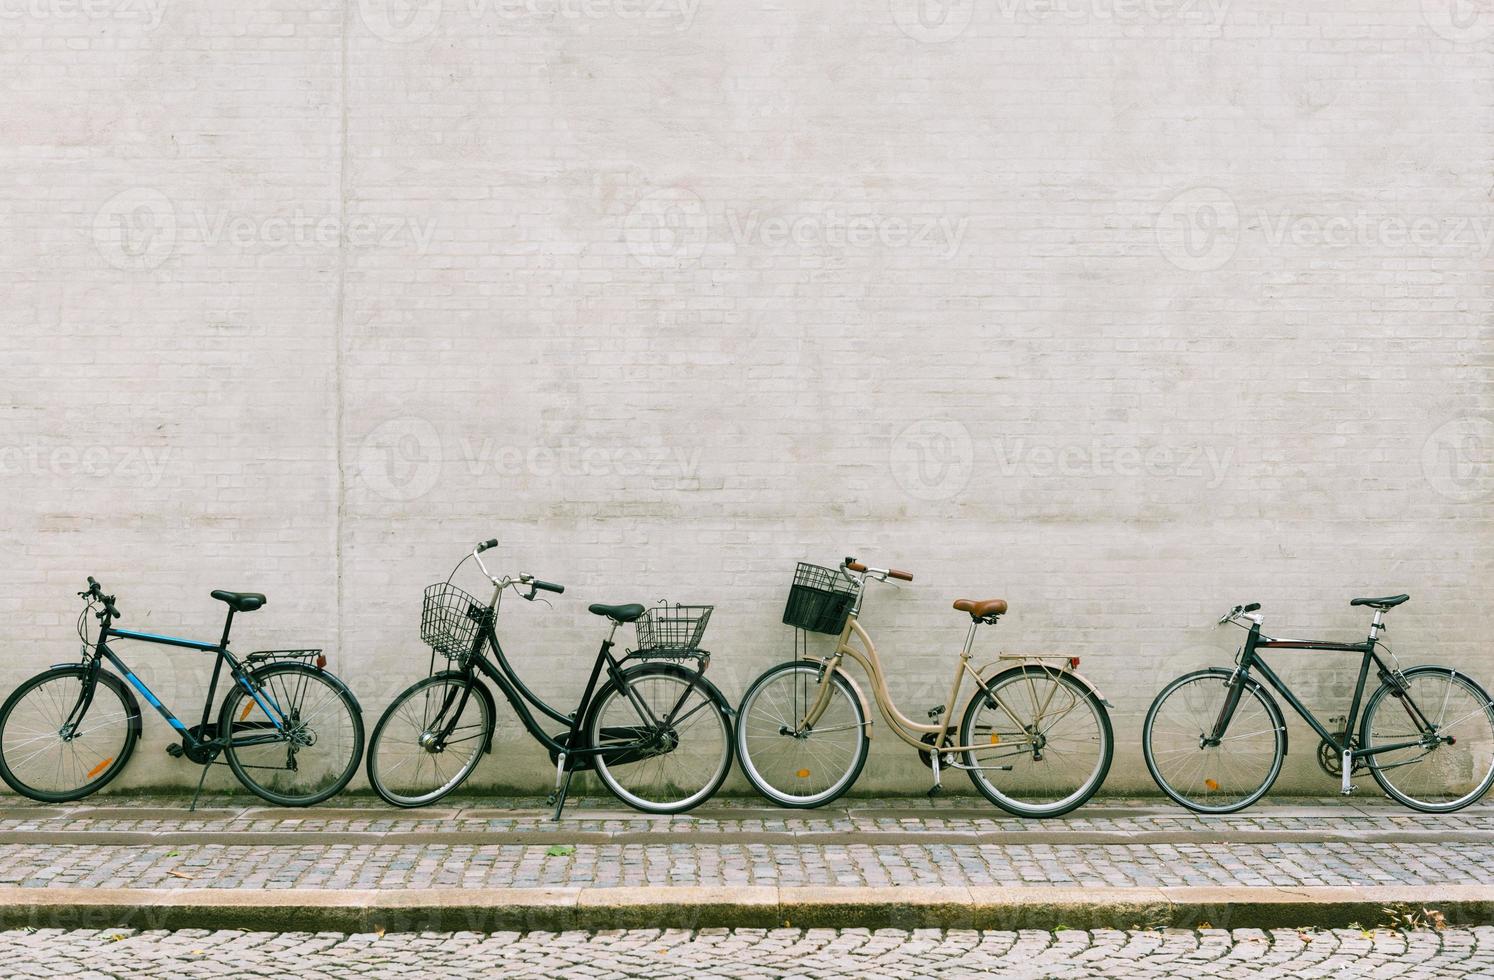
1384,602
620,614
240,601
981,608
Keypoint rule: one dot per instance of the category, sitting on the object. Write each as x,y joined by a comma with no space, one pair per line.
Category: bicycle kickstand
562,786
201,779
938,786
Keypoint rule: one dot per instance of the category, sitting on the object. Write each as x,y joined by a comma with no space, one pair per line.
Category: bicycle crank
927,758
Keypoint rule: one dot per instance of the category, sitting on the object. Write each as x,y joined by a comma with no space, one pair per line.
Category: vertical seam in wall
338,325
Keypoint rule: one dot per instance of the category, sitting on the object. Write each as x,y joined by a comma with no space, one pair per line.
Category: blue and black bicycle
291,732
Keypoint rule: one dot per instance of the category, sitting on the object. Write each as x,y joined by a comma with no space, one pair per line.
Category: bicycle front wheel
1204,775
1043,741
793,764
429,740
52,752
1434,775
297,740
667,734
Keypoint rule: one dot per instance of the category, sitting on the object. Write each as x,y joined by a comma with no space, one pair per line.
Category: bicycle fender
1088,684
866,711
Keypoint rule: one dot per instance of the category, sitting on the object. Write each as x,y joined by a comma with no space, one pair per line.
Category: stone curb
594,909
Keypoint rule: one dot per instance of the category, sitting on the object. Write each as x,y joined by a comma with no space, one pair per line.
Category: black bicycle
655,731
1215,739
291,732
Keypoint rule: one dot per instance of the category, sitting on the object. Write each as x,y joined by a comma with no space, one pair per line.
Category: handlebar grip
112,609
489,543
93,587
547,586
1250,608
855,566
900,574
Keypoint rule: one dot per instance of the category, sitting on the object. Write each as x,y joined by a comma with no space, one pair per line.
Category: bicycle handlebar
96,591
542,585
1239,611
896,573
489,543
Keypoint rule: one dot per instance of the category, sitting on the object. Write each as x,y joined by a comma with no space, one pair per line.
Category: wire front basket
678,627
819,600
449,620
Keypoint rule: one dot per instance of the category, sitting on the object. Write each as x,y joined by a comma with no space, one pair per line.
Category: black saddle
1384,602
618,614
240,601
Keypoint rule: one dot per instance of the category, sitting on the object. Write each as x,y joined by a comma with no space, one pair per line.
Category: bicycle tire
1474,742
127,715
793,763
382,772
341,747
614,768
1251,689
1046,744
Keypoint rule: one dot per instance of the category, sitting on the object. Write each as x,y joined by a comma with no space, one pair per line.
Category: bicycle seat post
227,628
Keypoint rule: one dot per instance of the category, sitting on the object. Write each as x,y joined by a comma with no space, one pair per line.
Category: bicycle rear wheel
1213,778
1045,741
410,762
44,757
790,764
1438,777
320,748
670,736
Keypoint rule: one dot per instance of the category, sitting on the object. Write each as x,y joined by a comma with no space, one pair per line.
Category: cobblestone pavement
817,953
612,865
155,843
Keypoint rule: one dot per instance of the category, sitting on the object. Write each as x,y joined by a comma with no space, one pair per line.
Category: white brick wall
1125,311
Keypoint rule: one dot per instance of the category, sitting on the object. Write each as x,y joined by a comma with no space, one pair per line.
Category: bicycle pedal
175,750
934,791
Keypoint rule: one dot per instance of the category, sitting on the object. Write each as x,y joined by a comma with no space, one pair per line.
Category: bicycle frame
1250,659
267,704
905,728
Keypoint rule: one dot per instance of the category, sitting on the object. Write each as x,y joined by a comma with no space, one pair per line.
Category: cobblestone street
815,953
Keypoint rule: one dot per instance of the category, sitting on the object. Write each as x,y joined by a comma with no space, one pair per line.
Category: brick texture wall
1123,310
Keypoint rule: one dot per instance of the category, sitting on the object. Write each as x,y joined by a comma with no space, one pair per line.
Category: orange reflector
100,767
1213,787
995,739
1073,663
802,774
321,661
248,707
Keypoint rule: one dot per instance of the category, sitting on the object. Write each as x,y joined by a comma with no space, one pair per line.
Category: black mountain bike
1215,739
655,731
291,732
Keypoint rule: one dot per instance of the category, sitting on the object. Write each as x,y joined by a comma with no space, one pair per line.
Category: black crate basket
449,620
819,600
675,628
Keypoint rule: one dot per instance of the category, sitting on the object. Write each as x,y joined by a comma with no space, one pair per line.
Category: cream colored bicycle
1035,736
